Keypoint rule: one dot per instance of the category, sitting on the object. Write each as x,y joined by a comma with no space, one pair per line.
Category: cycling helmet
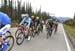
24,15
37,17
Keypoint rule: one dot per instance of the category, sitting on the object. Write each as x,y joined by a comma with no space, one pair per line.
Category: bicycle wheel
50,33
9,39
47,34
20,38
17,32
38,32
8,33
33,34
41,28
55,30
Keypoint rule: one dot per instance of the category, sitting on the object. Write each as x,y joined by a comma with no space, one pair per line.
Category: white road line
67,43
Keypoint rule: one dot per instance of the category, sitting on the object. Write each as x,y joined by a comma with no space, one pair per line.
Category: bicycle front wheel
20,38
17,32
10,40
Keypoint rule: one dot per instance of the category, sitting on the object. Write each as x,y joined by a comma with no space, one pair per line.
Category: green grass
70,29
14,24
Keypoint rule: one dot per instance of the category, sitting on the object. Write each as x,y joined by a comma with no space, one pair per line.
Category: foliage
70,22
16,11
71,30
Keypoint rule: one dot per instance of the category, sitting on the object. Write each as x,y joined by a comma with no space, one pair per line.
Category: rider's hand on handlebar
1,39
19,25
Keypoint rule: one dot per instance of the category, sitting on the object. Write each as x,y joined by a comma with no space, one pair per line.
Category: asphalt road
57,42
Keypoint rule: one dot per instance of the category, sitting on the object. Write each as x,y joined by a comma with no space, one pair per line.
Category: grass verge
71,30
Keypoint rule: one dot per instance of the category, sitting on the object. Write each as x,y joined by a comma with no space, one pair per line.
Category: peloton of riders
27,22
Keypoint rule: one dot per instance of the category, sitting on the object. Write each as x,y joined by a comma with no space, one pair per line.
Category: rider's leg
26,29
29,34
37,26
4,29
56,27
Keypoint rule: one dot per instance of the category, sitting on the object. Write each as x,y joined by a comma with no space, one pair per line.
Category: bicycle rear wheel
20,38
10,40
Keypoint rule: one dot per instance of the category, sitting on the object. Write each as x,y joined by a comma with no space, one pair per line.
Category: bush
70,23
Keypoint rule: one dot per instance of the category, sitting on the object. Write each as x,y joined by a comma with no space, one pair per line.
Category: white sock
29,37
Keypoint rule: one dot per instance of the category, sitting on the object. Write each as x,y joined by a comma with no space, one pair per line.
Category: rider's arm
29,22
0,21
22,22
0,18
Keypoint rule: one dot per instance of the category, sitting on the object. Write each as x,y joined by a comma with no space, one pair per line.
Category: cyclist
32,21
37,22
32,25
55,25
5,24
41,24
26,20
50,23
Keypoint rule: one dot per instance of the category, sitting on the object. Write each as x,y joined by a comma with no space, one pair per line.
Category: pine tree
23,9
74,16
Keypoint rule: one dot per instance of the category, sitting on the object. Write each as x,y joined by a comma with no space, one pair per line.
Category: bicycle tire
18,38
49,34
17,32
11,37
33,34
8,33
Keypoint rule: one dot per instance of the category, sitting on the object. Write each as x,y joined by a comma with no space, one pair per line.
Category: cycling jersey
26,20
5,24
32,23
4,19
37,22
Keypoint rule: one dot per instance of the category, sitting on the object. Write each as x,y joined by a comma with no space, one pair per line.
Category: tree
15,13
29,8
74,16
5,3
19,9
23,9
10,7
39,13
45,15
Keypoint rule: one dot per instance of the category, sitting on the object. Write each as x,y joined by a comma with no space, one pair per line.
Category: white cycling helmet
37,17
24,15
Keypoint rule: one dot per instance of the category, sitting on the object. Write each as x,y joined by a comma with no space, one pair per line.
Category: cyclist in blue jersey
5,24
26,21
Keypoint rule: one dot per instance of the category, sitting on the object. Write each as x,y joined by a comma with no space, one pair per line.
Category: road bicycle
8,43
22,34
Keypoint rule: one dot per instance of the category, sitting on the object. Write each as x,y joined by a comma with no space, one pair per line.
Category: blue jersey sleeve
0,19
22,22
29,22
